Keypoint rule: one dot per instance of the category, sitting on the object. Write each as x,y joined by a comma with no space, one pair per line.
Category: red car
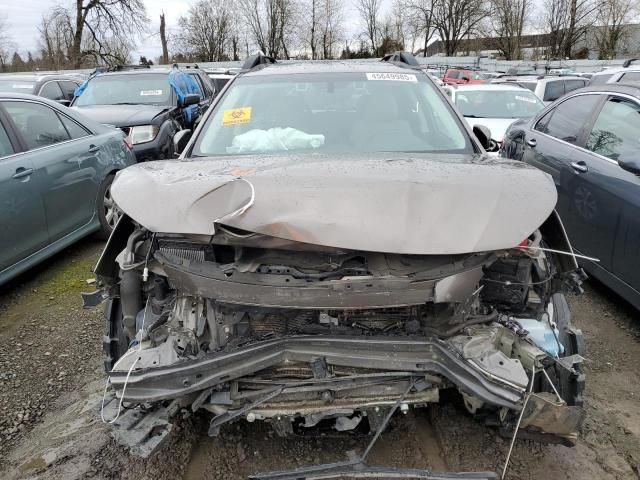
462,76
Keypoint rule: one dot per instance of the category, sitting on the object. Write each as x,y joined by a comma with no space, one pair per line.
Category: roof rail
256,60
122,68
627,63
401,57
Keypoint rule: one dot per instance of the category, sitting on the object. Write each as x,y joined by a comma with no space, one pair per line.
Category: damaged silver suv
333,244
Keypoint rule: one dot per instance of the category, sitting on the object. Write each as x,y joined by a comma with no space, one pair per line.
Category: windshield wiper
472,116
127,103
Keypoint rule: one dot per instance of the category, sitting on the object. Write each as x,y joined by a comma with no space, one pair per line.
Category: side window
553,91
567,119
51,90
630,77
206,83
74,130
5,144
453,74
68,88
38,124
571,85
616,131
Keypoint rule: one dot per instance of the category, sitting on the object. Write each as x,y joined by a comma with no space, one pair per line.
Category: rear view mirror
483,134
180,140
630,165
191,99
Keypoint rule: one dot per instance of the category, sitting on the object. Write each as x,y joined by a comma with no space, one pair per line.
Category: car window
68,87
51,90
571,85
5,143
74,130
453,74
498,103
15,85
327,112
205,84
567,119
127,89
600,79
38,125
553,91
630,77
616,131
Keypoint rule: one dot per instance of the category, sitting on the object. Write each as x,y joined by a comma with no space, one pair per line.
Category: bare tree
56,38
163,40
99,26
331,28
456,19
508,18
5,43
206,30
567,22
421,20
369,11
270,24
612,18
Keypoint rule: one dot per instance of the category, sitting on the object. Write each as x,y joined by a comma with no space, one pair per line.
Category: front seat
380,128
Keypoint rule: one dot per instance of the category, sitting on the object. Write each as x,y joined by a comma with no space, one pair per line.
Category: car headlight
143,134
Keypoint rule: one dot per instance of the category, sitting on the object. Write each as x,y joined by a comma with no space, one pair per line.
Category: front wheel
108,211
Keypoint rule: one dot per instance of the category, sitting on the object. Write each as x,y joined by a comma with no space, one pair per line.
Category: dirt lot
51,386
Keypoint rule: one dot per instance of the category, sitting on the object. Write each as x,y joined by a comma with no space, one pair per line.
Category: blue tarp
184,84
80,88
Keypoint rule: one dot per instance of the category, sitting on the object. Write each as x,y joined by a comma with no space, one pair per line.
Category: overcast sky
23,18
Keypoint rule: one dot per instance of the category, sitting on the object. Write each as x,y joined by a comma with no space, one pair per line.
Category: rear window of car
571,85
16,86
453,74
630,77
332,112
553,91
600,79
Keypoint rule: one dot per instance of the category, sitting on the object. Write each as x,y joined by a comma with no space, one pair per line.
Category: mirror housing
483,134
180,140
630,165
191,99
466,79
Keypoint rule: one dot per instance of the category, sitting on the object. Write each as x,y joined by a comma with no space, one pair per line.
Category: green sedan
56,169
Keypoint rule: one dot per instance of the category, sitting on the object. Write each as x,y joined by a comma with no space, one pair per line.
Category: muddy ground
51,386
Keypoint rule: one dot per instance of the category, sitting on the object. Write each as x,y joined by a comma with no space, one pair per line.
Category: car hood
400,203
498,126
123,115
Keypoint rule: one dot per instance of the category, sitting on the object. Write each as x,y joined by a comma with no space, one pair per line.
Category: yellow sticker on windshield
236,116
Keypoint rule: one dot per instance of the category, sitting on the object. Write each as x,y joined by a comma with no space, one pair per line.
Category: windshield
148,89
498,104
332,112
16,86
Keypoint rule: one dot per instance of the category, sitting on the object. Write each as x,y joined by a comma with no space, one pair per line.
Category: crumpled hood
389,202
122,115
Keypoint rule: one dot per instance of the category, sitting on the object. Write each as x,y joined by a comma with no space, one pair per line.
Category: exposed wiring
561,252
509,282
552,386
124,388
515,432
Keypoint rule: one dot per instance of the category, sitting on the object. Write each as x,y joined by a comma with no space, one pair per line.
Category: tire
108,211
115,342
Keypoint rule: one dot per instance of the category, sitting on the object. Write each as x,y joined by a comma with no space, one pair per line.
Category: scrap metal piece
93,299
545,414
218,421
144,432
362,470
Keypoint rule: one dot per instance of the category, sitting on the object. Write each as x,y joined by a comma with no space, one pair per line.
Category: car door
58,149
23,227
553,145
615,136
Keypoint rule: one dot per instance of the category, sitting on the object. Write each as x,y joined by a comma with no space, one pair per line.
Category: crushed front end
253,327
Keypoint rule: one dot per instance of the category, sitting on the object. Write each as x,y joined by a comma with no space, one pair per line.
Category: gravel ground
51,386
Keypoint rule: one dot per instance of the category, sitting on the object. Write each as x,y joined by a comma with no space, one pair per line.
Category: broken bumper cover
388,354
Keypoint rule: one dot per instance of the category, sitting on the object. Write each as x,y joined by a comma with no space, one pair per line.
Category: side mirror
448,91
630,165
465,79
180,140
483,134
191,99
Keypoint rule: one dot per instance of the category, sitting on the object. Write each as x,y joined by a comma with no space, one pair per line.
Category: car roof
624,88
507,86
328,67
37,77
148,71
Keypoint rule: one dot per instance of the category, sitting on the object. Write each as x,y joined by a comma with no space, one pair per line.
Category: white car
607,75
548,88
496,106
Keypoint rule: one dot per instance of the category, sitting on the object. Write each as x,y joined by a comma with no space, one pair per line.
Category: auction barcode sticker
395,77
145,93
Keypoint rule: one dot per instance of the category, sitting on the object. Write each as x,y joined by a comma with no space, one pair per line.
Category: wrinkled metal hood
388,202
